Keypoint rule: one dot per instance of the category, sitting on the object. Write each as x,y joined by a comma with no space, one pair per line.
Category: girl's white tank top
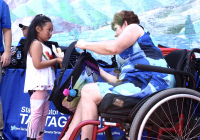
39,79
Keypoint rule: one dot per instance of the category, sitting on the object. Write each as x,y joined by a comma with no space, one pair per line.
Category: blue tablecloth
16,109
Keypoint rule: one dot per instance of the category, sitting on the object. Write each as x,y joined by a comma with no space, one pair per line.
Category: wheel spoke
169,114
161,121
188,118
170,136
196,136
169,120
187,134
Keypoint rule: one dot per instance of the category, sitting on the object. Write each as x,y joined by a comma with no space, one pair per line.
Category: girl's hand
59,60
81,44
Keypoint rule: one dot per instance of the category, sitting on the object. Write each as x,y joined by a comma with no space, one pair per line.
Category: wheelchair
172,113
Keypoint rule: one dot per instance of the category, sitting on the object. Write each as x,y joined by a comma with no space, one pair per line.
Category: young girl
39,74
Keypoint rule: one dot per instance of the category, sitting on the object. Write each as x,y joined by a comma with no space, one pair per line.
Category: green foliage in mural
30,12
185,7
69,14
75,33
165,13
175,29
97,18
13,16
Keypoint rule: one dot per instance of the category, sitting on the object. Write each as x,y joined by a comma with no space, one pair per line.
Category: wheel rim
160,103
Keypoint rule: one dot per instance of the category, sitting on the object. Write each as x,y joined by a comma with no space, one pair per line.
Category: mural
173,23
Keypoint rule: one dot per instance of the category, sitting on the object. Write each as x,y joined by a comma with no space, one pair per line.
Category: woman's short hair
124,15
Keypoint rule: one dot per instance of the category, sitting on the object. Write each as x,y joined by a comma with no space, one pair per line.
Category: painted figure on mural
134,44
189,27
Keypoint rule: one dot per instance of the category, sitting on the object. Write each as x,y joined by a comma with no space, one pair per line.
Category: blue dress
137,83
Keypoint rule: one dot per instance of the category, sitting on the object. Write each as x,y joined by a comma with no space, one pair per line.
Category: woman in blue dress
133,45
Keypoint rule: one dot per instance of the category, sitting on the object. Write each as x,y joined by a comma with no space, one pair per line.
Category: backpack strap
64,67
67,56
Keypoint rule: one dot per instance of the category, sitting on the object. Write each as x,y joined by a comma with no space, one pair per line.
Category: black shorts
31,92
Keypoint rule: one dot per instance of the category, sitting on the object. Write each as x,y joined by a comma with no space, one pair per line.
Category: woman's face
118,29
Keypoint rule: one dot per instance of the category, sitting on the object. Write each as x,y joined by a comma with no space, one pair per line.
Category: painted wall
174,23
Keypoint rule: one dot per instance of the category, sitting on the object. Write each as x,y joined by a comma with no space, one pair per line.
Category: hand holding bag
86,70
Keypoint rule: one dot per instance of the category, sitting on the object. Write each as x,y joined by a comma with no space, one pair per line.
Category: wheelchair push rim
149,124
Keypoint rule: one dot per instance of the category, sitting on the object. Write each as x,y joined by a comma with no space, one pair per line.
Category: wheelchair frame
134,129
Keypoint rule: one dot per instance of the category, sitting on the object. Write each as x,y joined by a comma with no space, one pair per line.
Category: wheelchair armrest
166,70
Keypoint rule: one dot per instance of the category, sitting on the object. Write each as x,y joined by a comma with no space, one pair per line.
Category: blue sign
16,110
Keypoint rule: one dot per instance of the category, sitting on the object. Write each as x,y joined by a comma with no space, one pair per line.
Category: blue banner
16,110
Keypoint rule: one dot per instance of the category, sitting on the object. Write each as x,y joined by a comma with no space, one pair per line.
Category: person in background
40,76
5,47
24,27
134,44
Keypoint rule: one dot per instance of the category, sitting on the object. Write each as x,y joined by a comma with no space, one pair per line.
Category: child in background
40,75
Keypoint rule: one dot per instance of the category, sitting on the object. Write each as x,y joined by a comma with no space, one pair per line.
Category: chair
176,59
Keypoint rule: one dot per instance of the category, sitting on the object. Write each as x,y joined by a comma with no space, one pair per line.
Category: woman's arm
112,47
107,77
36,54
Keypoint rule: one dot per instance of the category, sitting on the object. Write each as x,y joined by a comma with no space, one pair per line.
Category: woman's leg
37,103
91,97
86,110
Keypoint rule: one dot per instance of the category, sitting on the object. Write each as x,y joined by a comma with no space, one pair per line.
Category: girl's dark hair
124,15
39,20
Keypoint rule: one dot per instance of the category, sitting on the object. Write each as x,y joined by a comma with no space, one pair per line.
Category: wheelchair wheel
169,114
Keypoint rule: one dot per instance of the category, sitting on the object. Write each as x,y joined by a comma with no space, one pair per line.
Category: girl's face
45,33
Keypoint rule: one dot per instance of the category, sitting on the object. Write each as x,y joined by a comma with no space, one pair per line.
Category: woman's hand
81,44
107,76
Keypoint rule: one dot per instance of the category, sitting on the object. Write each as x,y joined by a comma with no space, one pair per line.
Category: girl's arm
107,77
36,54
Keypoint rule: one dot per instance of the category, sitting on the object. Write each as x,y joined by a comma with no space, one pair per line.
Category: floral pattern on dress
47,56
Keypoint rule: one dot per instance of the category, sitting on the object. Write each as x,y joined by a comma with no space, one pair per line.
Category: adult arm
6,56
36,54
112,47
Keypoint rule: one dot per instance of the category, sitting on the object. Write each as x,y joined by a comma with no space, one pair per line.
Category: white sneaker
1,135
2,138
